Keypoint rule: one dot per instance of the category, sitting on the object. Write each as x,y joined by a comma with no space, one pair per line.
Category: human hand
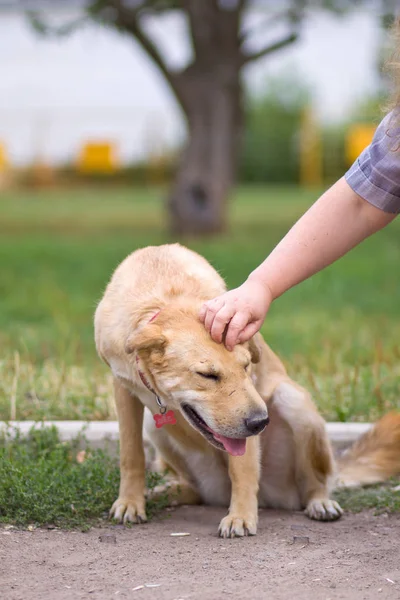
240,311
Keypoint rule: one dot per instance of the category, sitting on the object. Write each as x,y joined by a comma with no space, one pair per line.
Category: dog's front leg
130,505
244,473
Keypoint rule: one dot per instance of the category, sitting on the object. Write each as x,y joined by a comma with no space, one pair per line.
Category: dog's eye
208,375
246,367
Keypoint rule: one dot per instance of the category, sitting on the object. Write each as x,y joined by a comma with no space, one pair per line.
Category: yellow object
358,137
98,157
3,158
311,169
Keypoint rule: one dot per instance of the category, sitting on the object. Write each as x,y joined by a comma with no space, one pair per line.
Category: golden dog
206,410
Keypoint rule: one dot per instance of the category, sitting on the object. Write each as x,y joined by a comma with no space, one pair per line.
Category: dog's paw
236,526
324,510
129,510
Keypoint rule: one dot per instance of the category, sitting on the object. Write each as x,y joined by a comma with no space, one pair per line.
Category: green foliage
142,173
368,111
42,482
270,153
334,152
380,498
271,148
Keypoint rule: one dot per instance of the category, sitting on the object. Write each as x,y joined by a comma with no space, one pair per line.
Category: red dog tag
167,419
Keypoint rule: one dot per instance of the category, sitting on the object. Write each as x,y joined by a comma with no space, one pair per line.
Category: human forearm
337,222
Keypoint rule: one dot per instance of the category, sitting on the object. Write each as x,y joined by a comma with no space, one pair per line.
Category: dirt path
355,558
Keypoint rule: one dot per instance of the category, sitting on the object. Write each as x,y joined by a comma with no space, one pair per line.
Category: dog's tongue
236,447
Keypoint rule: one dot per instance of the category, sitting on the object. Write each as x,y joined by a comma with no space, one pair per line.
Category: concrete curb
340,434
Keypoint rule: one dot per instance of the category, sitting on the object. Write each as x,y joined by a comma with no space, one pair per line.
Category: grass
380,498
338,332
44,481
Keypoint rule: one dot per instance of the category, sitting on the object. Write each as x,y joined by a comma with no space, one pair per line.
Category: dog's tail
374,457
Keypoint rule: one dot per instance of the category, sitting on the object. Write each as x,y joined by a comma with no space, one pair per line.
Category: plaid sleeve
375,175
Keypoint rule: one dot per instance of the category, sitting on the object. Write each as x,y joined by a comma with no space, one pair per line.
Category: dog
232,428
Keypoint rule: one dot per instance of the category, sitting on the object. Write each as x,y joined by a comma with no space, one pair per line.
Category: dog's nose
256,423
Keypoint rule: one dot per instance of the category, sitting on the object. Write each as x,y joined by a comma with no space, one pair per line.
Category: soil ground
357,557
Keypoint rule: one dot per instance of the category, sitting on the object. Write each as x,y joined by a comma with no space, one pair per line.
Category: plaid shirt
375,175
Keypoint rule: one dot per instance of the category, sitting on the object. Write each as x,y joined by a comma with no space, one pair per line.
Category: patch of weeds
45,481
382,498
161,499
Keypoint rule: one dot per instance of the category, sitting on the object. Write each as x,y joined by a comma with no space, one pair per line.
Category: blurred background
125,123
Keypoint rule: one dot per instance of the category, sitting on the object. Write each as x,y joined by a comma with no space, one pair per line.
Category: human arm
337,222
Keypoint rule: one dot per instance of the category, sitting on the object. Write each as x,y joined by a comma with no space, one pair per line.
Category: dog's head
209,385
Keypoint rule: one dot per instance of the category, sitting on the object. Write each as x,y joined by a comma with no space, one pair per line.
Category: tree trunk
206,173
209,93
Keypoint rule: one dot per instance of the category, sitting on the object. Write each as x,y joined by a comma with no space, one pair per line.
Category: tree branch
136,29
270,49
128,20
263,24
43,28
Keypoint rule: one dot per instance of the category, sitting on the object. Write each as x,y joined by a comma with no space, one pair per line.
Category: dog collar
166,417
143,376
144,380
155,316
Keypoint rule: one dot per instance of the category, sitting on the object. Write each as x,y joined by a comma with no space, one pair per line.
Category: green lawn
339,333
67,484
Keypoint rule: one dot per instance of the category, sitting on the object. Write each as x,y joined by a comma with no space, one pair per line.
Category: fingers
203,312
223,314
236,326
209,310
212,309
250,330
220,321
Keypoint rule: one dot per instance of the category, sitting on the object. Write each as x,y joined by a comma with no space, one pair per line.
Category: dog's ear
255,350
146,340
